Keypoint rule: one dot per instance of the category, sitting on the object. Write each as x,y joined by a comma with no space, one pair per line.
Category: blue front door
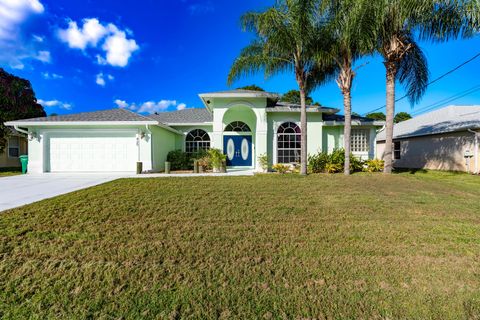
238,150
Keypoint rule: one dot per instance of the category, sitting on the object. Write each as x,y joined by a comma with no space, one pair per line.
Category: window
197,140
13,147
289,140
238,126
397,150
360,140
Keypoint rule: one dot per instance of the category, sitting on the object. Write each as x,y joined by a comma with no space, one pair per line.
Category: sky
158,55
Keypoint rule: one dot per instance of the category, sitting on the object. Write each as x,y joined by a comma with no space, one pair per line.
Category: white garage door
105,152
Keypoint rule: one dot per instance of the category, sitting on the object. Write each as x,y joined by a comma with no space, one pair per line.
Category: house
244,124
16,146
444,139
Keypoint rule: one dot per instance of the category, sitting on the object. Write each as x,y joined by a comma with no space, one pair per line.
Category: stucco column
218,128
260,137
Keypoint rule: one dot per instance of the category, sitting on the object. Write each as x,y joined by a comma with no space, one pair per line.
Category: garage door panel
93,153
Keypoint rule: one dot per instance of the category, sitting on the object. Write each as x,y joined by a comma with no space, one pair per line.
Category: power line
448,100
433,81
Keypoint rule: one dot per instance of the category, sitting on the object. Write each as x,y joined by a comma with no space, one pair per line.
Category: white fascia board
166,127
355,123
189,124
77,123
236,95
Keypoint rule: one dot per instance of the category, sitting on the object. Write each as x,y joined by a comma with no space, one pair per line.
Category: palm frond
413,71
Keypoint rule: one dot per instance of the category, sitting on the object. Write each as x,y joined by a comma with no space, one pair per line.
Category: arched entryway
238,136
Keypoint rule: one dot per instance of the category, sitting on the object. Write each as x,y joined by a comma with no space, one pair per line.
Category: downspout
20,130
475,152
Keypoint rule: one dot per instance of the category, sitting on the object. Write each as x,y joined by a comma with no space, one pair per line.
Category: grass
7,172
269,246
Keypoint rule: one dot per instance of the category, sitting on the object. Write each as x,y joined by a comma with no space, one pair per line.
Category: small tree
252,87
293,96
17,101
376,116
402,116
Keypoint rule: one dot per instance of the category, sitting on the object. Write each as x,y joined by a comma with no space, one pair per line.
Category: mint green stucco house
244,124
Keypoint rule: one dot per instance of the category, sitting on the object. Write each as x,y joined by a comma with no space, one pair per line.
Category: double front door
238,150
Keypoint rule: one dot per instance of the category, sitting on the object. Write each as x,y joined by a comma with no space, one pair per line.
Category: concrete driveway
19,190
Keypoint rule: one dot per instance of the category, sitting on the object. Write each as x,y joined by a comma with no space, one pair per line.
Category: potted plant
217,159
203,164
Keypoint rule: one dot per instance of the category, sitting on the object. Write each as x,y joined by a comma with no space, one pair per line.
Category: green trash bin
24,162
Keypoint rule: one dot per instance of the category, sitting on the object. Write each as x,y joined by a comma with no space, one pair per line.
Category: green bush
330,163
263,159
179,160
374,165
216,158
281,168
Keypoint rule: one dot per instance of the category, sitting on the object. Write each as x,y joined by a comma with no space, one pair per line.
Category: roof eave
183,124
355,123
77,123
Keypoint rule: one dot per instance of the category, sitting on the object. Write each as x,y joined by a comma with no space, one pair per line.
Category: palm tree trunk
344,81
347,130
391,76
303,127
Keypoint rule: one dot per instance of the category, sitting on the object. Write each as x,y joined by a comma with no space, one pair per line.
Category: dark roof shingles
103,115
195,115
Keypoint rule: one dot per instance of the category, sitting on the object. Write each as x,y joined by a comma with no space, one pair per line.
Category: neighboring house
244,124
16,146
444,139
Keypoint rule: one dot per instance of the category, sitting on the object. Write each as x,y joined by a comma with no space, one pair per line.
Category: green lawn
7,172
271,246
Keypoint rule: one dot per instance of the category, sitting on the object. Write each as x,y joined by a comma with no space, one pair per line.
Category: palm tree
288,36
352,37
396,23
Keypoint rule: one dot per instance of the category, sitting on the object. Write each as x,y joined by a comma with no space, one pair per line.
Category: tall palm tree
288,36
397,23
352,37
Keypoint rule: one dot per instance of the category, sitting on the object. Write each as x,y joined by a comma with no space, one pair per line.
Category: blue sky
158,55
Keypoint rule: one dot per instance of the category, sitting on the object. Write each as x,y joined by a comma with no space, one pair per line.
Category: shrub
331,167
317,162
216,158
263,159
281,168
374,165
179,160
334,162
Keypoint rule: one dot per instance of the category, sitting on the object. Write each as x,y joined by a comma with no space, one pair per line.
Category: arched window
197,140
289,140
238,126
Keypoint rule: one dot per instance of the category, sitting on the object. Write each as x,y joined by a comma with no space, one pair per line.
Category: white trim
78,123
355,123
189,124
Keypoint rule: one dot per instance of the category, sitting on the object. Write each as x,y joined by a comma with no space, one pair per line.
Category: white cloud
101,79
15,12
44,56
150,106
16,45
79,38
117,47
38,38
51,76
122,104
54,103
